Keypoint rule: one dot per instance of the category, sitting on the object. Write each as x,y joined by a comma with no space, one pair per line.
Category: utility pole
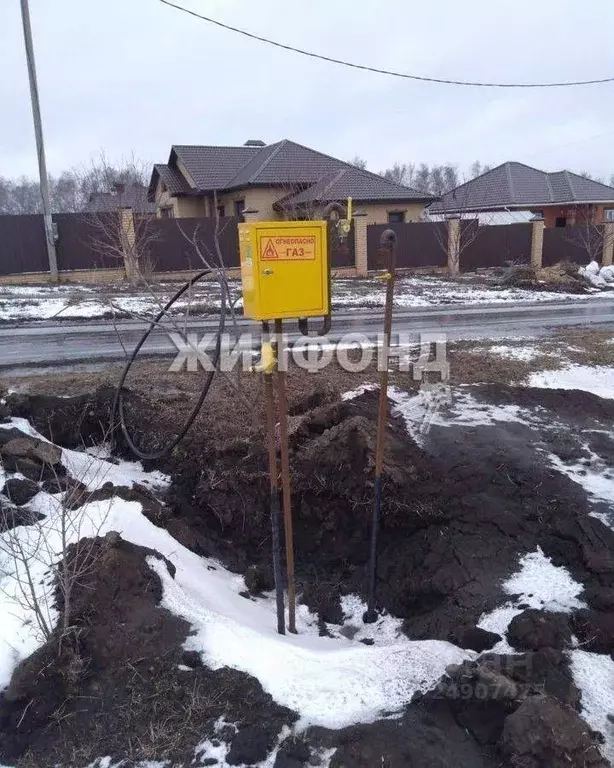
40,148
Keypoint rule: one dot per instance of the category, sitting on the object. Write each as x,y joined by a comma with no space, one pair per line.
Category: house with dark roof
133,196
284,180
562,198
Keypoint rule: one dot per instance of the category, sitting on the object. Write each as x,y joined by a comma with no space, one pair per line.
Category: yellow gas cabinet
284,269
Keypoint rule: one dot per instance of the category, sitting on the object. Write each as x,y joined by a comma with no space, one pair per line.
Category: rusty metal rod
274,505
285,483
388,240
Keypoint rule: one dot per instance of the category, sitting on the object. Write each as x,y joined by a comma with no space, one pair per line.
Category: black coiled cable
118,403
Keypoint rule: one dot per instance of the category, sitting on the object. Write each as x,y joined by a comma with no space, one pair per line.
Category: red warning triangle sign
269,251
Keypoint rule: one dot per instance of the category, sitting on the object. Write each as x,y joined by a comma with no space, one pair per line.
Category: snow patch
597,379
92,468
354,393
514,353
442,406
208,750
593,673
332,682
539,584
45,302
597,479
94,472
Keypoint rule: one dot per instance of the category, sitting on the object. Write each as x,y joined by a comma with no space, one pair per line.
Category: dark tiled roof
214,167
285,163
134,196
355,183
175,182
515,185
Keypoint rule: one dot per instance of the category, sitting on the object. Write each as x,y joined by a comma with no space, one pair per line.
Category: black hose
118,403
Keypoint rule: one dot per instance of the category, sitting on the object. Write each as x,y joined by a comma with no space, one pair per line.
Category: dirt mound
424,737
473,719
577,407
218,503
19,490
113,686
456,516
454,519
36,459
542,732
68,421
595,630
532,630
560,278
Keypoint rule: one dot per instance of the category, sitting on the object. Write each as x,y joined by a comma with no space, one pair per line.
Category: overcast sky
135,75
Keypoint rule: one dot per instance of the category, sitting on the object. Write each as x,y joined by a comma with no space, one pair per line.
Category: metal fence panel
175,243
421,244
22,244
577,244
84,241
493,245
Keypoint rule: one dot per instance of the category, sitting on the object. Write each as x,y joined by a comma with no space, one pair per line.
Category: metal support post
285,485
388,240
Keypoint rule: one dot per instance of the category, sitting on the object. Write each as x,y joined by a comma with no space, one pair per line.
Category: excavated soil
456,515
114,685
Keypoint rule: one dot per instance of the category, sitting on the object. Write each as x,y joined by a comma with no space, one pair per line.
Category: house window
239,208
608,214
396,217
166,213
560,221
220,211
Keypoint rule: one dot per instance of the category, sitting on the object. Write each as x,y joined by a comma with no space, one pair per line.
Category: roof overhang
515,207
287,201
153,183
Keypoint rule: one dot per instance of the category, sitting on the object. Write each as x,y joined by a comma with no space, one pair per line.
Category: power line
365,68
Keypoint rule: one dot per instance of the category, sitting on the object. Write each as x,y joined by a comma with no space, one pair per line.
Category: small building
132,196
562,198
280,181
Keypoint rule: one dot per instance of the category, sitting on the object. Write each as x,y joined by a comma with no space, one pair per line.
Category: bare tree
592,177
358,162
450,178
122,229
461,230
585,233
477,169
103,177
124,238
21,196
73,189
57,538
432,180
303,211
401,173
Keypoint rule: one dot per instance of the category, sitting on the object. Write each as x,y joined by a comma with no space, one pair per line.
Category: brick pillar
537,244
608,243
128,241
454,235
360,245
250,215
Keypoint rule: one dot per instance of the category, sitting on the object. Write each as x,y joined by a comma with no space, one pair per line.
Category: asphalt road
72,345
